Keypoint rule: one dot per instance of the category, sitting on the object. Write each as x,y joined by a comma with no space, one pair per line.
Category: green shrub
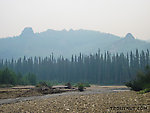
8,77
80,87
29,79
141,82
5,85
84,84
144,91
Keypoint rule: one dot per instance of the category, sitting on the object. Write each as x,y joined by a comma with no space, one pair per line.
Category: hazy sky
112,16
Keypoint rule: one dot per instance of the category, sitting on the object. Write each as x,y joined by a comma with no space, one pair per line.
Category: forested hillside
95,68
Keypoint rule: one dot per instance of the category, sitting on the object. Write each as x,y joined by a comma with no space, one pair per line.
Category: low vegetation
141,82
144,91
84,84
9,78
81,87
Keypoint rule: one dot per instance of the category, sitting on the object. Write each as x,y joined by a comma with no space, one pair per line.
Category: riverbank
29,91
124,101
95,99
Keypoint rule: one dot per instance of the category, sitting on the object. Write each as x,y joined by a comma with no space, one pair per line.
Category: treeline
7,76
95,68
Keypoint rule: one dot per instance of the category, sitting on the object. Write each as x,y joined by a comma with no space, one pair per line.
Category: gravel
106,101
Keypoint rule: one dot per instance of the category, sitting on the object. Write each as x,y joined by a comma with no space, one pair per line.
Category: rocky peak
27,32
129,36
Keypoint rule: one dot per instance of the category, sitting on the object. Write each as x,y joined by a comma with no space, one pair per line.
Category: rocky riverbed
94,100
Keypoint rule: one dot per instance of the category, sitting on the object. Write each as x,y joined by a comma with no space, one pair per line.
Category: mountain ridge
66,43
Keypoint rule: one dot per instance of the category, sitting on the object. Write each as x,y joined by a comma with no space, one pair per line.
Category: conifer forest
97,68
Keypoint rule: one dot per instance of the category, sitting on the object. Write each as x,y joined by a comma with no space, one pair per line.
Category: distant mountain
129,43
66,43
27,33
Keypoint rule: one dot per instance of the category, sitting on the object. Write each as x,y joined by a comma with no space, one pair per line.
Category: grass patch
144,91
6,85
84,84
